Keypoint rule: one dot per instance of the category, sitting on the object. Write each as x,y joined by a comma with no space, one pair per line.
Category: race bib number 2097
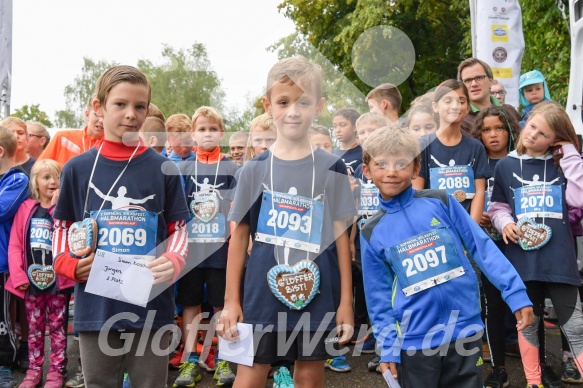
425,261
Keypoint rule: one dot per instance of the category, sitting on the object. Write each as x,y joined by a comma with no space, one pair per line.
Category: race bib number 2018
212,231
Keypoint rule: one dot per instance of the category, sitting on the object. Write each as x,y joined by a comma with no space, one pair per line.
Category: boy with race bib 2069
135,217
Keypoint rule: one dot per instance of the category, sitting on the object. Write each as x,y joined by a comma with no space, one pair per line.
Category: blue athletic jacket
450,308
13,191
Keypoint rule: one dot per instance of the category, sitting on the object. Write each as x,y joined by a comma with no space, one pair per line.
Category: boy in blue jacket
421,291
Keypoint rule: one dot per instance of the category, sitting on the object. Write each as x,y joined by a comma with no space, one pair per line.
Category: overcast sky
50,39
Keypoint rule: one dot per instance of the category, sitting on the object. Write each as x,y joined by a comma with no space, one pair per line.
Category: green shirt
493,100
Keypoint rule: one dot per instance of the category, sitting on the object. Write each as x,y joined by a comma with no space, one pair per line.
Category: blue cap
530,78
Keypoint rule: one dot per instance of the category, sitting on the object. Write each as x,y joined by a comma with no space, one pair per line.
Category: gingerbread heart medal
534,236
294,286
41,276
460,195
83,234
205,206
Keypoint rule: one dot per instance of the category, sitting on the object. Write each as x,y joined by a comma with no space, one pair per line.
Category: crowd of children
415,238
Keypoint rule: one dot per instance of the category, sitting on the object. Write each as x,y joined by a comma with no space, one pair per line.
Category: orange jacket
67,144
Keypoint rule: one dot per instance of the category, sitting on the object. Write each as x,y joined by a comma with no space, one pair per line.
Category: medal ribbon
286,248
544,185
114,183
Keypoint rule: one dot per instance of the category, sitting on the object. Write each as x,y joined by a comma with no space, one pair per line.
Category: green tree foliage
184,81
439,30
241,121
33,113
436,29
548,45
78,93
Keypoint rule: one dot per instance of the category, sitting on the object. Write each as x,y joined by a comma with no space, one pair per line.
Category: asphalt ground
358,377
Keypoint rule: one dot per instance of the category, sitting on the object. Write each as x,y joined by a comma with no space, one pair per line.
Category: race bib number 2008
425,261
41,233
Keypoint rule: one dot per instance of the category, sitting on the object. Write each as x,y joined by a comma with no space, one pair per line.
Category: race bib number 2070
539,201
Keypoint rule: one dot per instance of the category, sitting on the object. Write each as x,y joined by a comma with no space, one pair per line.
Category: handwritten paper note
242,351
121,277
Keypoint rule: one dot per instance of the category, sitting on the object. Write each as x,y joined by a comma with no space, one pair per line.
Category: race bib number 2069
126,232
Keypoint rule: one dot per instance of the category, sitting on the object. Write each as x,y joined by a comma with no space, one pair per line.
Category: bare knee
309,374
251,376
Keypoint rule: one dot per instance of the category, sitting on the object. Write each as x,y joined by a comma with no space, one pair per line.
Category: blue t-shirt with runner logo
521,183
453,168
292,213
352,158
491,231
132,219
209,193
367,203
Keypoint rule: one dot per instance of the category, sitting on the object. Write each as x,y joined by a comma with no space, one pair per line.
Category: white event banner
120,277
5,56
498,40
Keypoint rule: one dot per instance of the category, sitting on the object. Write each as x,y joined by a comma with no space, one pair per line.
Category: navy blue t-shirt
556,261
491,231
200,179
151,182
332,187
352,158
435,154
27,166
359,176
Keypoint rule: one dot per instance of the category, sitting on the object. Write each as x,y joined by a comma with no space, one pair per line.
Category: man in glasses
497,91
38,139
478,78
